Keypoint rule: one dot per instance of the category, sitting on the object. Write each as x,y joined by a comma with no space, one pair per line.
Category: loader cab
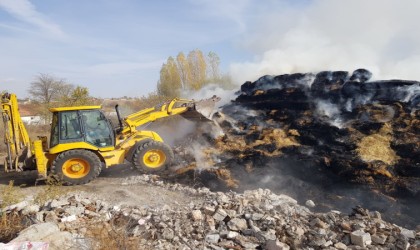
81,124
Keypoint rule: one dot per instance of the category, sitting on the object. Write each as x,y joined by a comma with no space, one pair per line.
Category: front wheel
152,156
75,167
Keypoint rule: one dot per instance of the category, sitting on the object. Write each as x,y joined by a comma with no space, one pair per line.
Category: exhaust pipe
117,110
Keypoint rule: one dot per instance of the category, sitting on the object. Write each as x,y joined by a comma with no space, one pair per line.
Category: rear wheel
75,167
152,156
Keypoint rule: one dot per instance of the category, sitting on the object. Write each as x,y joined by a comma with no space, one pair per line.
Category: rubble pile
255,219
328,130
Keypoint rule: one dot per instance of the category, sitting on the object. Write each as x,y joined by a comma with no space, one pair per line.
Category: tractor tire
152,157
76,167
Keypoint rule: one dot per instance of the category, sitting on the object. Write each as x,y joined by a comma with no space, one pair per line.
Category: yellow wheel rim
76,168
154,158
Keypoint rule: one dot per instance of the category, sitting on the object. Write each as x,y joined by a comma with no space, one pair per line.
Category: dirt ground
111,186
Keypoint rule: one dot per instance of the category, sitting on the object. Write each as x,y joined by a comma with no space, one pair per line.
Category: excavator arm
15,134
189,109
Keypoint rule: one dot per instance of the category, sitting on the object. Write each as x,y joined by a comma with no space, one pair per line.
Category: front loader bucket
201,110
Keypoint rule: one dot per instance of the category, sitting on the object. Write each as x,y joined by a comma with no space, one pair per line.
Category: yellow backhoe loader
83,140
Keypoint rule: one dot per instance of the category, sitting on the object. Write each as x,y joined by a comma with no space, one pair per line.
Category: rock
359,225
328,243
220,214
73,210
212,238
346,226
69,218
275,245
391,239
318,242
60,240
222,198
231,213
209,210
408,233
18,206
310,203
340,246
237,224
91,213
379,239
249,245
211,222
107,216
30,209
197,215
59,203
50,216
232,235
136,231
85,202
269,234
37,232
360,238
376,215
83,230
319,223
402,244
39,216
299,232
168,234
257,216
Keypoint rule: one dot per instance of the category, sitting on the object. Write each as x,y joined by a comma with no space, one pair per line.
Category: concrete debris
211,221
360,238
310,203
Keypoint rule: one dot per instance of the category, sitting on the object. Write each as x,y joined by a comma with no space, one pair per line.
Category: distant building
30,115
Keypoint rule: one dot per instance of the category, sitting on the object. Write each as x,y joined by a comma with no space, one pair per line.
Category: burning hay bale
377,147
327,128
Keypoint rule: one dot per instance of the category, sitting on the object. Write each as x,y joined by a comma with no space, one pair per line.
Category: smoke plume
380,35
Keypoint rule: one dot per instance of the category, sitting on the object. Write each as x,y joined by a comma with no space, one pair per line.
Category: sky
116,48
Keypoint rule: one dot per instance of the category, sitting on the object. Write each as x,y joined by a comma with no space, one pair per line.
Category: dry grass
11,223
9,195
112,235
52,190
377,147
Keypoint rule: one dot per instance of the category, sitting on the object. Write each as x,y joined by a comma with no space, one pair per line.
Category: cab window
54,130
70,128
97,128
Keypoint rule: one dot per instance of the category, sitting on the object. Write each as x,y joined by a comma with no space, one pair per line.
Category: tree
198,67
64,91
184,70
190,73
45,88
170,80
213,63
79,96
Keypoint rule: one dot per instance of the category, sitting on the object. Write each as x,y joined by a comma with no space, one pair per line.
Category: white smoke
331,111
209,91
380,35
410,92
